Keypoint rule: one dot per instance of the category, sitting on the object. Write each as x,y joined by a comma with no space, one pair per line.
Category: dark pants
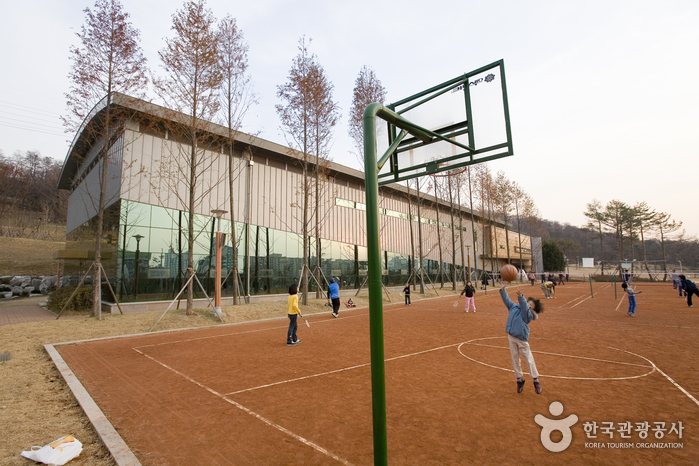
336,305
407,298
689,295
291,333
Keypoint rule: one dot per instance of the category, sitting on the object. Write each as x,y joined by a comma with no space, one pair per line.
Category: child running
292,309
469,292
521,314
631,294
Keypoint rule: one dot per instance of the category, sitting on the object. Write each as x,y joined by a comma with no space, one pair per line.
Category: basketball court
236,394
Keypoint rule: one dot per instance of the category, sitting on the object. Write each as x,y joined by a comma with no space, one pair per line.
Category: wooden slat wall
151,175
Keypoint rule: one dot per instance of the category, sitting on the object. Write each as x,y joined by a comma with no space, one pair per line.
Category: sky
603,95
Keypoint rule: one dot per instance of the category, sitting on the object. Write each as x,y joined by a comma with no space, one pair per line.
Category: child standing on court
469,292
334,295
631,294
406,290
521,314
293,311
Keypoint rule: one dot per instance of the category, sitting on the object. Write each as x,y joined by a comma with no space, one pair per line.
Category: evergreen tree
554,260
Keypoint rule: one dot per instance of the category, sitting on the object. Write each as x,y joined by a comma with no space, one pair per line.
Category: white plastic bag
58,452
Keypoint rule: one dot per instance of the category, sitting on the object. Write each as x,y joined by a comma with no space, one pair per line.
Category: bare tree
419,236
471,206
367,90
236,99
503,200
616,214
645,218
519,198
307,115
191,84
595,214
437,192
324,116
108,60
665,226
452,188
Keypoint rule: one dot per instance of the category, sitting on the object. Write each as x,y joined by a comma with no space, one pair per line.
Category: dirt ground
37,407
238,395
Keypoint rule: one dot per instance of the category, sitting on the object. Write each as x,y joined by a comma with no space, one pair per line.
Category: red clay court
236,394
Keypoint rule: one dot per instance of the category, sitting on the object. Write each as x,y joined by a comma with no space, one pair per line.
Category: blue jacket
334,290
519,316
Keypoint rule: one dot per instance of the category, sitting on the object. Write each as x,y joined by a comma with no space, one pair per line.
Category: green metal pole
592,294
378,374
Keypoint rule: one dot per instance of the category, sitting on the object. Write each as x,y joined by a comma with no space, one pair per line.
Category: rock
17,281
47,285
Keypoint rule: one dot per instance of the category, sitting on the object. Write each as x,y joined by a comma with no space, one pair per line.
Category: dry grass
19,256
37,407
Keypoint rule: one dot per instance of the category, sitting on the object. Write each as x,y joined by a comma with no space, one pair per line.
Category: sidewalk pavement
20,311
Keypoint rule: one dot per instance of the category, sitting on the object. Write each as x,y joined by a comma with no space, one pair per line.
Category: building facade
147,212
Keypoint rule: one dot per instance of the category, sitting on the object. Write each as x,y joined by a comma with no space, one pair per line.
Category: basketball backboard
468,118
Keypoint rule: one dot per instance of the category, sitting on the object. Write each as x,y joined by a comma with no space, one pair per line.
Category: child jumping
292,309
469,292
631,294
521,314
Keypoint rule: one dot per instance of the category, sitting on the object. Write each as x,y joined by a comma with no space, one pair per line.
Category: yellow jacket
292,304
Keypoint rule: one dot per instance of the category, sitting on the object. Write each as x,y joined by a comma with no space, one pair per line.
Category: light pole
217,300
135,272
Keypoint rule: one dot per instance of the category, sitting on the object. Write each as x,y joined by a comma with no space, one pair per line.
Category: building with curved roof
147,206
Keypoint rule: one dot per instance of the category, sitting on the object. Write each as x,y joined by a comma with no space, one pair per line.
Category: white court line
338,370
252,413
297,379
677,385
188,340
315,322
589,297
653,368
620,301
585,297
664,375
565,355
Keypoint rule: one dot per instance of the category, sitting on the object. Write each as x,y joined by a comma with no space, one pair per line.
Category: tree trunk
413,270
473,223
439,239
419,238
453,233
190,226
317,222
97,283
234,239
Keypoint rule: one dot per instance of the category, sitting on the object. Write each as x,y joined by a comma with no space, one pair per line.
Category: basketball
508,273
